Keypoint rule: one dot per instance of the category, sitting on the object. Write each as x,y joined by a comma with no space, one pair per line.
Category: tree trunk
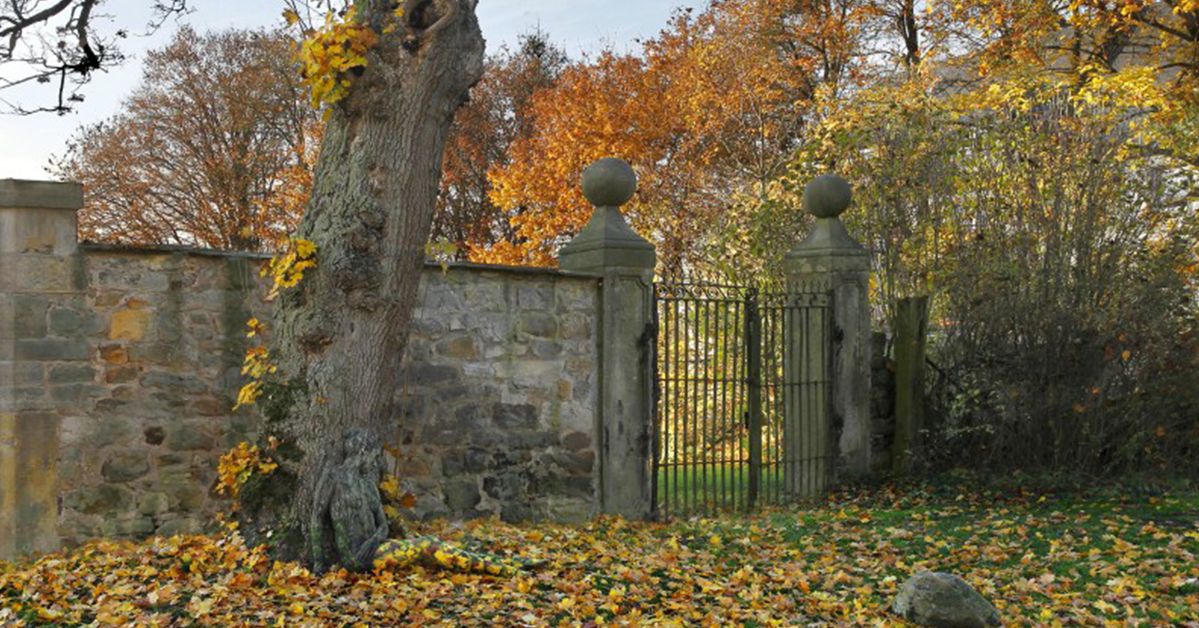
340,335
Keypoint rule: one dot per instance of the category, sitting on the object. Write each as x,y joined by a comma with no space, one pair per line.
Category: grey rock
28,316
943,600
530,439
153,503
72,373
51,350
575,441
70,322
513,416
505,486
539,324
461,493
187,437
106,499
537,296
515,512
125,466
425,374
184,525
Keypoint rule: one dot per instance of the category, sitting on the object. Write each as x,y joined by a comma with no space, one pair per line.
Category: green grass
709,489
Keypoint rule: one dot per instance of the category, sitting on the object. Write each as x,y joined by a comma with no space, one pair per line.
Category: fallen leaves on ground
1042,561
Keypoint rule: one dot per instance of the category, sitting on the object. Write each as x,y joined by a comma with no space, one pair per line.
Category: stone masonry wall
140,361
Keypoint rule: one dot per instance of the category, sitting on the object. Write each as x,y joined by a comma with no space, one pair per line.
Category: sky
27,143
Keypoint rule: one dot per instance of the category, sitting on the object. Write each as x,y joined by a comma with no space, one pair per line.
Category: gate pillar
609,248
830,260
39,275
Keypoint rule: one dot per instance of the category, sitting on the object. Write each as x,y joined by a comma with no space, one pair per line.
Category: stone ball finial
827,196
609,182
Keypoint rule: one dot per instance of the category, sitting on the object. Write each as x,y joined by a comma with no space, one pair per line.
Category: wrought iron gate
741,397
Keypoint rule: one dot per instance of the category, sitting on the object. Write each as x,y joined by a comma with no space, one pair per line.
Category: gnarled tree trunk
340,335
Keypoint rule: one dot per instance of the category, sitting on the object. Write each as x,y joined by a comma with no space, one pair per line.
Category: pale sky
579,26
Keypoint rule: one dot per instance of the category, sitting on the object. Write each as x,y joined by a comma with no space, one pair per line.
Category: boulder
943,600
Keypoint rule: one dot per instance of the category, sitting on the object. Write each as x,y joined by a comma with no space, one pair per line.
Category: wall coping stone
172,249
29,194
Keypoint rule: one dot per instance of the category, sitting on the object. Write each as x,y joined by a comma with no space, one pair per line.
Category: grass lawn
1042,559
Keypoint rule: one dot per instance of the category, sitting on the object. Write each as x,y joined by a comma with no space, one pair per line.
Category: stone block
539,324
530,439
561,485
114,354
505,486
72,373
125,466
21,373
577,326
132,527
546,349
51,274
27,314
564,509
71,322
29,453
425,374
577,295
514,416
51,350
485,297
535,296
463,347
184,384
179,525
129,324
461,493
122,374
103,499
154,502
576,441
189,437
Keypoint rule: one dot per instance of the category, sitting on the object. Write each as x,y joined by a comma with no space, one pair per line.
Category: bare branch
62,44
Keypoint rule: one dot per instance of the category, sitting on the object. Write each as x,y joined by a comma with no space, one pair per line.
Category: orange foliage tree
483,130
709,111
213,149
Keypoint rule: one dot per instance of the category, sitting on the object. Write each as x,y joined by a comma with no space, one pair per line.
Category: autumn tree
212,149
497,114
709,112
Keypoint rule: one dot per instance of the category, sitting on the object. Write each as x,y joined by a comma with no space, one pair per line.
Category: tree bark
340,335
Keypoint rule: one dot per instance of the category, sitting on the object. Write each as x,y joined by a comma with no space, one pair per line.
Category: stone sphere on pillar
609,182
827,196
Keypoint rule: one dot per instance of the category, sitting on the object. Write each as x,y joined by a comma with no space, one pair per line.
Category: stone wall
135,364
500,395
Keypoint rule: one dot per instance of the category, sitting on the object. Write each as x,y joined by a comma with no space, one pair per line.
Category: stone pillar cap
827,196
609,182
607,241
28,194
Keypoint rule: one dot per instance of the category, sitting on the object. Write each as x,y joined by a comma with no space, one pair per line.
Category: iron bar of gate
655,401
753,383
742,397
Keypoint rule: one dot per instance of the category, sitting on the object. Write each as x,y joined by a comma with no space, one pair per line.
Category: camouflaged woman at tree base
353,527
